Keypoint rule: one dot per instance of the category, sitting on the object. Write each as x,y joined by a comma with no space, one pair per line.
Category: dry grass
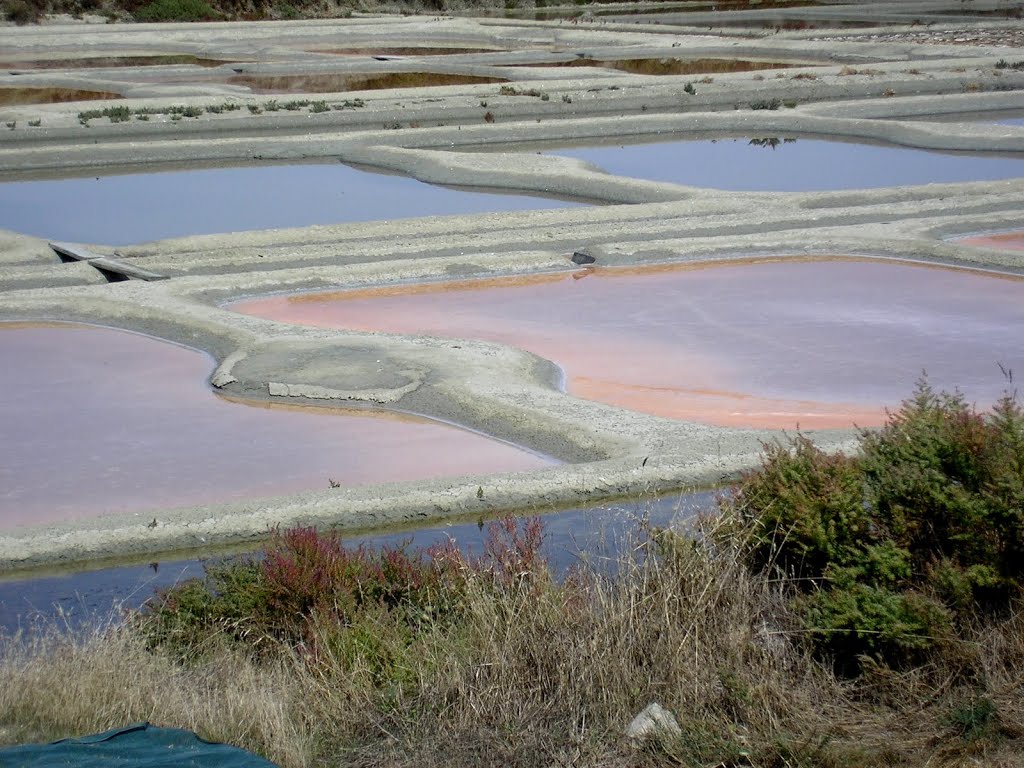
537,672
60,684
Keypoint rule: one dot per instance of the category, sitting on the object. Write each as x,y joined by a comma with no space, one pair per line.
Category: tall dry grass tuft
539,673
57,684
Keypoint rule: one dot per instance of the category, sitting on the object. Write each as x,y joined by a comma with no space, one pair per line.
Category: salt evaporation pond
571,537
98,420
134,208
819,343
775,164
1011,241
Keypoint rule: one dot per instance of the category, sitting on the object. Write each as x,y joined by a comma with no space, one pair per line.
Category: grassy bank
34,11
773,633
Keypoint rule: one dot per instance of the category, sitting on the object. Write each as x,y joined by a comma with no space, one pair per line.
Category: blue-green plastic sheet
136,746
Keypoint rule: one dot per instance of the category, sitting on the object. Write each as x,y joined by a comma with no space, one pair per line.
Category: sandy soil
881,88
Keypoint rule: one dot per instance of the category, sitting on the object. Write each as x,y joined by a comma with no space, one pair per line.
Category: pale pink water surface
814,343
96,420
1013,241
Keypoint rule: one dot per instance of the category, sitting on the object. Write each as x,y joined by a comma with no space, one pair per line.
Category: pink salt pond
1012,241
815,343
97,420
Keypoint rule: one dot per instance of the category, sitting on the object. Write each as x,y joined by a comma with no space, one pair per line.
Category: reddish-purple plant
512,549
313,576
307,581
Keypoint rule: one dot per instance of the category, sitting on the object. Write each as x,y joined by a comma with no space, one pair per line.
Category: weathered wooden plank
118,267
73,252
111,266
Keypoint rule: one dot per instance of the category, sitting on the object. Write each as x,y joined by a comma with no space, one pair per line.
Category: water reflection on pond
571,537
775,164
134,208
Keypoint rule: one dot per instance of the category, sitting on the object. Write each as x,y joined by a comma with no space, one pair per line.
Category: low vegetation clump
122,114
858,610
177,10
34,11
897,551
21,11
309,593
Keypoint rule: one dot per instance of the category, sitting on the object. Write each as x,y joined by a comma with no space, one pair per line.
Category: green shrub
119,114
179,111
307,591
893,550
21,12
974,719
948,484
176,10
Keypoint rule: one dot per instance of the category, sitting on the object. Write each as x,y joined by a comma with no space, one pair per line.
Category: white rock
653,721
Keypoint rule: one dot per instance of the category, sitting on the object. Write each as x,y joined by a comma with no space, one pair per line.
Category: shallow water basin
14,96
781,164
819,343
424,50
83,62
673,66
134,208
1011,241
570,537
339,83
98,420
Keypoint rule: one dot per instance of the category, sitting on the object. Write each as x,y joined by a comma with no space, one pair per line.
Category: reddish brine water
1013,241
815,343
97,420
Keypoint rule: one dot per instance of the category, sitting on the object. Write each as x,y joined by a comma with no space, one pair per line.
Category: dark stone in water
579,257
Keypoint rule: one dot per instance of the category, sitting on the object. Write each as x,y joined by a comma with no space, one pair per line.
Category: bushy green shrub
308,592
21,12
891,550
948,483
176,10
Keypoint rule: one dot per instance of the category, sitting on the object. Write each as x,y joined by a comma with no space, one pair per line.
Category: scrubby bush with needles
895,550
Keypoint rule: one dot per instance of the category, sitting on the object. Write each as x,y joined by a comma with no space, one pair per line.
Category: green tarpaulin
138,746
